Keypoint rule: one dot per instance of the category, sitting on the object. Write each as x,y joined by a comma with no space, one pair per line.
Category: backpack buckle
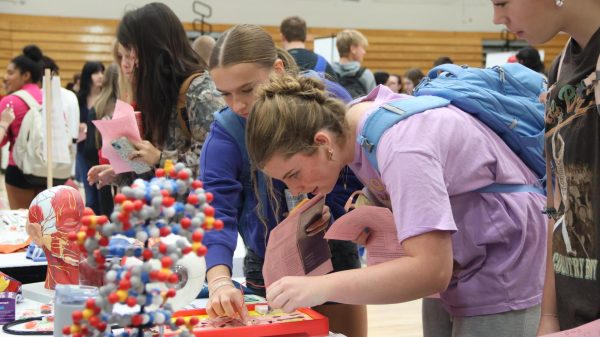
550,212
365,144
393,109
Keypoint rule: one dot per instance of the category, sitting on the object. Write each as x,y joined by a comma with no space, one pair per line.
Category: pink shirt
20,109
430,164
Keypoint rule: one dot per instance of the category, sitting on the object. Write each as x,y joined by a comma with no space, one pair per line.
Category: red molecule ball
136,320
102,219
77,316
119,198
209,211
160,172
103,241
197,236
193,199
113,298
186,250
171,293
179,321
168,201
88,211
173,278
165,231
209,197
218,224
90,303
101,326
131,301
124,284
94,320
138,205
185,222
196,184
166,262
147,254
183,175
194,320
72,236
201,251
66,330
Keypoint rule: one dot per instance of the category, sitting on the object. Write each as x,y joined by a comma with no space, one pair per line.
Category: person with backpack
293,39
572,287
465,206
358,80
171,89
22,76
242,60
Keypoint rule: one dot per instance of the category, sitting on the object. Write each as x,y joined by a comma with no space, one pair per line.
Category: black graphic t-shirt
573,120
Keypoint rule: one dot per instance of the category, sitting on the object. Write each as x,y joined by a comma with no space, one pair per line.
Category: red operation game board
302,322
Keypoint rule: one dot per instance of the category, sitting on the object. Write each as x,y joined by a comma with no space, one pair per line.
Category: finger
217,308
228,306
244,314
273,291
316,227
363,237
289,307
210,310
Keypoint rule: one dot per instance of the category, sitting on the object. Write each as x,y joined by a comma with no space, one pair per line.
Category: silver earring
559,3
330,153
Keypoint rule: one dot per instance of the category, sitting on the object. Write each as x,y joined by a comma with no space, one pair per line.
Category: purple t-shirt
430,164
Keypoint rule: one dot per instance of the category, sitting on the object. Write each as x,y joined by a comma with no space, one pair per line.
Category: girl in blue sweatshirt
243,58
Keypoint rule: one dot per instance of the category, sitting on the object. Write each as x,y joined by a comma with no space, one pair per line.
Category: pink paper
122,124
282,256
382,244
591,329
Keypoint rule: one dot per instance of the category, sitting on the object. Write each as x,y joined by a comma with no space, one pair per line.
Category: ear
322,138
26,76
278,66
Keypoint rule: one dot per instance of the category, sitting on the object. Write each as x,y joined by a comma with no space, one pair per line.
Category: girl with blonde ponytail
484,252
244,58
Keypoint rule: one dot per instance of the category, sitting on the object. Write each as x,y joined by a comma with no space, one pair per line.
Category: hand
548,324
82,132
227,301
34,230
321,224
7,116
292,292
101,175
146,152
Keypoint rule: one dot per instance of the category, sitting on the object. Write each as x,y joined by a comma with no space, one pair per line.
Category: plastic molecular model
171,203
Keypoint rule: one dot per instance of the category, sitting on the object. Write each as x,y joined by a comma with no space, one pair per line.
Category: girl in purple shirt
483,252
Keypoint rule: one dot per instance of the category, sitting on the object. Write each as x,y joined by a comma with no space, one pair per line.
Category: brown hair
288,113
105,103
348,38
125,90
293,29
243,44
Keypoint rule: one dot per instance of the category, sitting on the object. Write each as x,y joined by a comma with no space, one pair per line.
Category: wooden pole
48,102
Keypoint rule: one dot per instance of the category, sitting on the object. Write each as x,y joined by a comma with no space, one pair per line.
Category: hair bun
33,52
306,88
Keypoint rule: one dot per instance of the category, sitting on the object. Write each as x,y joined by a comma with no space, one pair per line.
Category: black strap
6,328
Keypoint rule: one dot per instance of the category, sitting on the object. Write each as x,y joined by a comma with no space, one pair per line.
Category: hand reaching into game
321,224
292,292
227,301
101,175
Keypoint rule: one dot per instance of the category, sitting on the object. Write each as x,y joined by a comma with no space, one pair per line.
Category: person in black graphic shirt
572,289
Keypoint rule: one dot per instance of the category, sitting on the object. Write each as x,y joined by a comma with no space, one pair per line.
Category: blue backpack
505,98
321,64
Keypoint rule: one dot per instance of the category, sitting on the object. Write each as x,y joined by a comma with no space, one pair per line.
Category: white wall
444,15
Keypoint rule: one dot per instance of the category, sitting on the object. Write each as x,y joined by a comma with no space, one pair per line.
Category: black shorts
14,177
344,256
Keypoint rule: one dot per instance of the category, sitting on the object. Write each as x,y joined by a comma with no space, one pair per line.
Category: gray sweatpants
438,323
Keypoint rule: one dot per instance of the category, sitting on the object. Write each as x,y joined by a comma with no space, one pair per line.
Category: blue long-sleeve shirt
221,171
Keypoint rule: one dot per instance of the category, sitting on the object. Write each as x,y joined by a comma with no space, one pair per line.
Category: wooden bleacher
72,41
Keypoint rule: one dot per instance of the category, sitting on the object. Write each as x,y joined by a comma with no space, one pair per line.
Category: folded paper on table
382,244
290,252
123,124
591,329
